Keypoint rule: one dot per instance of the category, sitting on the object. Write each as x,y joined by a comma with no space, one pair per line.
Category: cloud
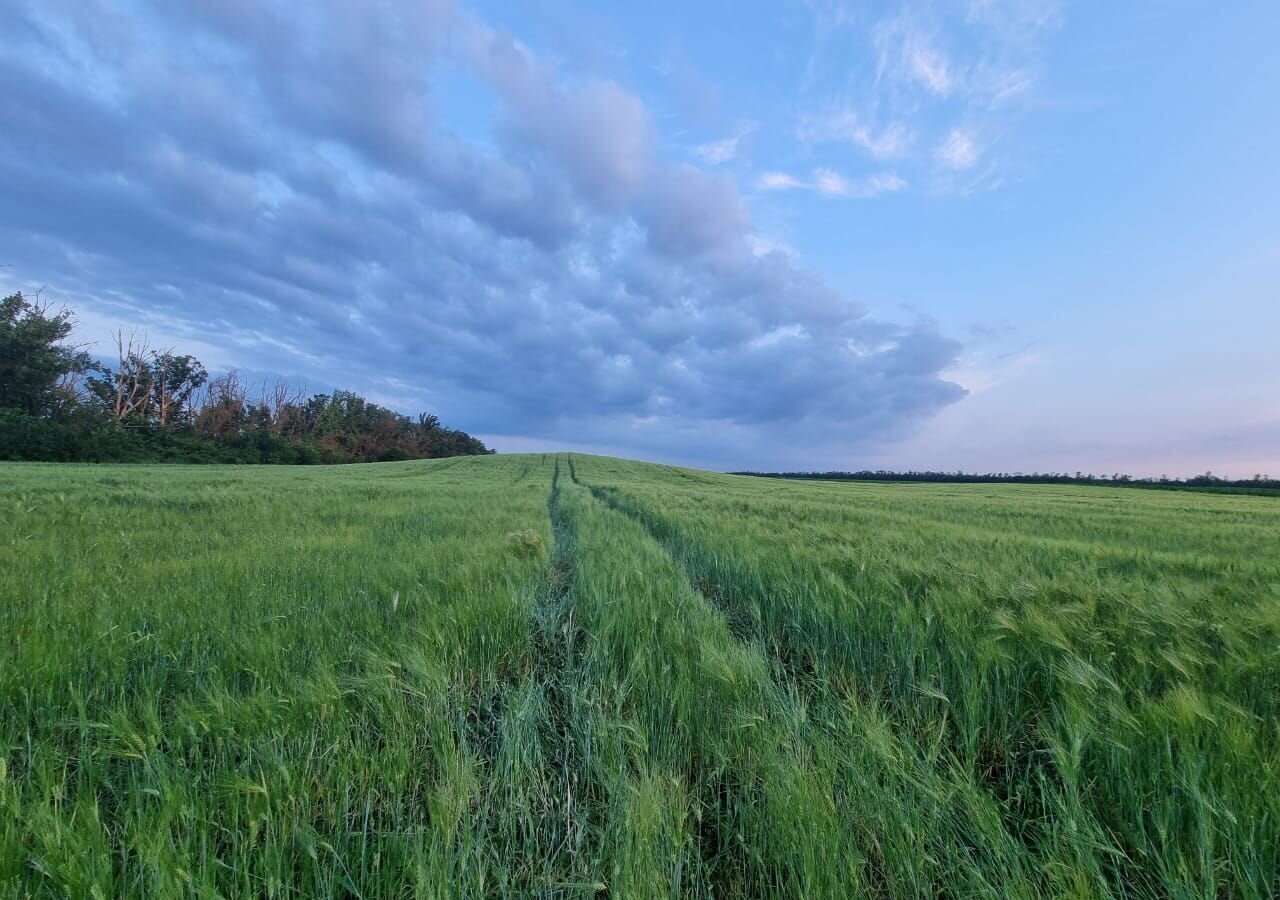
779,181
688,212
957,151
276,181
846,125
597,134
717,152
726,149
316,71
896,85
832,183
910,52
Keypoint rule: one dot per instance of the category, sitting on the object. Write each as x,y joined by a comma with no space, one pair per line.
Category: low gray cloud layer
278,179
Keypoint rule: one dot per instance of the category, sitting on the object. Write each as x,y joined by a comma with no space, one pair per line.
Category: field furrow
538,764
712,746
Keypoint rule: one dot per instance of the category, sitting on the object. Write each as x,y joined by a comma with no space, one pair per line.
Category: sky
994,235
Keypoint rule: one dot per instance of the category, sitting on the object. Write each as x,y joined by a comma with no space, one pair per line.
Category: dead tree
282,401
132,384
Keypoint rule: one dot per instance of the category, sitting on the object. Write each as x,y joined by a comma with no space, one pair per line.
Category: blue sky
1002,234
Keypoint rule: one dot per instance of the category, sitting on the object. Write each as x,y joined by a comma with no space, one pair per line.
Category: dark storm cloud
275,179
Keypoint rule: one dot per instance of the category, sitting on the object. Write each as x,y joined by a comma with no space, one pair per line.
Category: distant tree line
1207,481
58,403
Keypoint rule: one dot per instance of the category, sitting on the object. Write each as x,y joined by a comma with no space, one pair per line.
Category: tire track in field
543,828
720,847
555,648
792,665
745,627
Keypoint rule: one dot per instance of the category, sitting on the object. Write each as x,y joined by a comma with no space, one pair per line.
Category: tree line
59,403
1208,481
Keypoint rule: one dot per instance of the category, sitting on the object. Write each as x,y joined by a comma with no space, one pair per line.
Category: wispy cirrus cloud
958,151
911,52
925,81
832,183
986,56
846,125
779,181
726,149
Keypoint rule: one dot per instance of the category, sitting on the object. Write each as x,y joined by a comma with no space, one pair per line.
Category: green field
576,676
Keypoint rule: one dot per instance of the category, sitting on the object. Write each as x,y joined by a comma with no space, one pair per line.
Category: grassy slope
531,675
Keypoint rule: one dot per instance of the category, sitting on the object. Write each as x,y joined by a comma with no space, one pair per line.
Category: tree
125,392
174,379
37,371
223,412
284,402
159,404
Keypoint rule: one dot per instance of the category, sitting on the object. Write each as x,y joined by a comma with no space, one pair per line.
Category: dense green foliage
566,676
58,405
34,359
